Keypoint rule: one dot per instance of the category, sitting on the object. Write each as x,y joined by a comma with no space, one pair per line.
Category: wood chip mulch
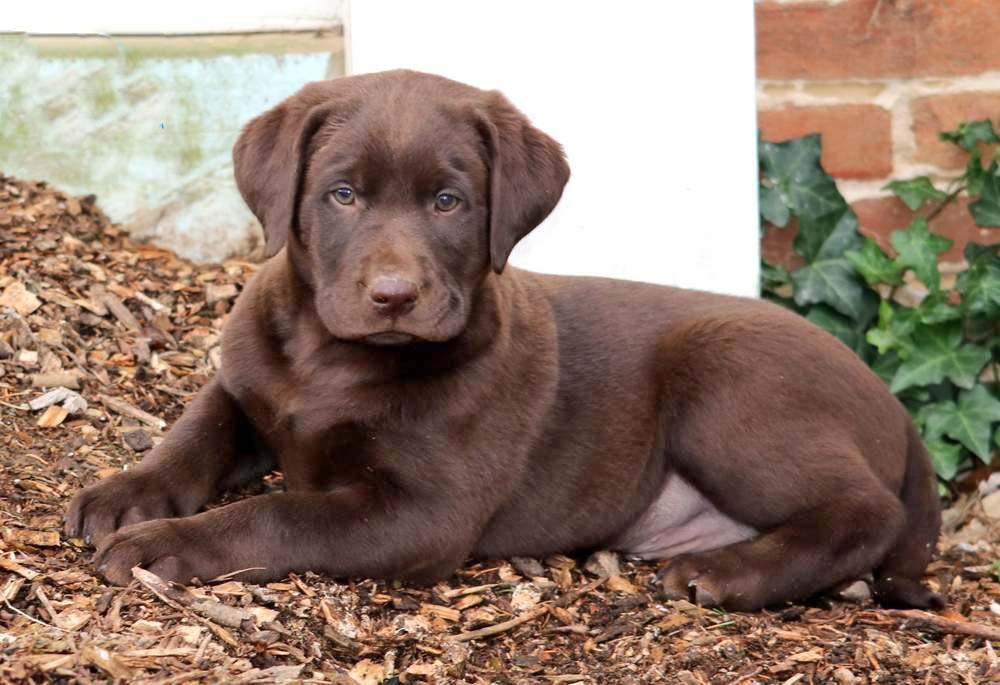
102,342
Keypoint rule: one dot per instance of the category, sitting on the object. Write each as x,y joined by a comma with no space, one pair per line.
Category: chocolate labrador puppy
426,403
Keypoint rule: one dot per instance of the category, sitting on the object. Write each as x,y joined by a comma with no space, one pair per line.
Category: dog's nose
393,296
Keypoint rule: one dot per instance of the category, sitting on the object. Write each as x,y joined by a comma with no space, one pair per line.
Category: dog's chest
680,520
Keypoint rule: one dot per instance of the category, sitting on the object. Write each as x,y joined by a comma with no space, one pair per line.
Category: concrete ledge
147,123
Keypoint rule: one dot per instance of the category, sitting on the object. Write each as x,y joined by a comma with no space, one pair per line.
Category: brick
857,139
937,113
872,38
878,218
776,247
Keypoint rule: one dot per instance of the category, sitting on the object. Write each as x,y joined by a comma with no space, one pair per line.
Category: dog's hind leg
812,550
897,578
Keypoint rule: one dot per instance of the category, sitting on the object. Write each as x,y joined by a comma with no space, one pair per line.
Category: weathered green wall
148,124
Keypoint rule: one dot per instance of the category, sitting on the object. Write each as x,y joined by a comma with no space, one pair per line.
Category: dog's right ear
270,156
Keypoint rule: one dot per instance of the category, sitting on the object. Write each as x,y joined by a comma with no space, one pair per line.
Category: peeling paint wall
148,123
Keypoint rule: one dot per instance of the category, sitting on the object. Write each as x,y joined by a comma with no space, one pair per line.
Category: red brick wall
879,79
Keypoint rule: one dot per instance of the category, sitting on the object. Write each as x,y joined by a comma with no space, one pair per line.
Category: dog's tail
897,580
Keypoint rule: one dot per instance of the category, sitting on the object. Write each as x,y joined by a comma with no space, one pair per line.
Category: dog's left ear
527,173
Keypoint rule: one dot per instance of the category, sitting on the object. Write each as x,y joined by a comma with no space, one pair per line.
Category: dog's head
395,194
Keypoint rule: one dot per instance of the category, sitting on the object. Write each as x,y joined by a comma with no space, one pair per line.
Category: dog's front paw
124,499
174,549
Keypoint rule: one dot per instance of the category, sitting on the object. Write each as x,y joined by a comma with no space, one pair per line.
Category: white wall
653,101
172,17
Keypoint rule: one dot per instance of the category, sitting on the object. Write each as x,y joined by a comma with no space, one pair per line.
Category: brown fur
503,412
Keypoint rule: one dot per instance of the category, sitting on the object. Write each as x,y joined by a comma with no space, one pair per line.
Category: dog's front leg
207,450
345,532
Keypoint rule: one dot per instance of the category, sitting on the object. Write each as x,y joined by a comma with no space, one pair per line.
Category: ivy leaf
986,210
832,281
873,264
772,208
915,191
980,283
773,276
947,457
840,326
895,329
829,236
885,365
803,186
938,354
812,233
969,421
975,174
829,277
935,308
918,249
971,133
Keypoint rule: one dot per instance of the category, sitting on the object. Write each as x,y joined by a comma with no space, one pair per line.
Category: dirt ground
131,331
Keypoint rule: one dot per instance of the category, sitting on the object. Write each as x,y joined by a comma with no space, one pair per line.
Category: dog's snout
393,296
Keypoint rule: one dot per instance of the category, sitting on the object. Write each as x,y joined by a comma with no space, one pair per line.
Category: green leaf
895,329
935,308
803,186
873,264
772,276
840,326
772,208
915,191
969,421
986,210
833,282
829,277
918,249
828,236
975,174
980,283
947,457
971,133
885,365
939,354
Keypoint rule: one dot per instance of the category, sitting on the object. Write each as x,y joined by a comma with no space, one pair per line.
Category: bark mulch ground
102,342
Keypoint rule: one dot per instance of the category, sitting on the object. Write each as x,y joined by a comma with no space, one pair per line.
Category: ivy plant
939,352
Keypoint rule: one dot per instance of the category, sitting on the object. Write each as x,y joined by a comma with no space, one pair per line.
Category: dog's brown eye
446,202
343,195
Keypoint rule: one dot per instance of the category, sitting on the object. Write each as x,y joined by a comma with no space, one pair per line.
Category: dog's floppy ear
270,158
527,173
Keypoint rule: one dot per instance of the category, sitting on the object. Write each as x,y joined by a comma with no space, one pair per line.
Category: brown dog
426,404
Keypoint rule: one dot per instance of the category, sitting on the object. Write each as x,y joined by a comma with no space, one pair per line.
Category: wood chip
447,613
927,620
125,409
65,379
107,662
213,610
52,417
14,567
19,298
121,312
35,538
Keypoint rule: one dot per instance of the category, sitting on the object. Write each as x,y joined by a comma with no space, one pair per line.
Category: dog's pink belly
680,520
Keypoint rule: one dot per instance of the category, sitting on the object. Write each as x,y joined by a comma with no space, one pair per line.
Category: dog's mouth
433,322
390,338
